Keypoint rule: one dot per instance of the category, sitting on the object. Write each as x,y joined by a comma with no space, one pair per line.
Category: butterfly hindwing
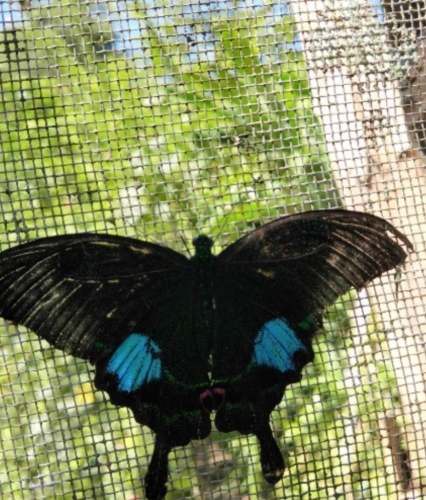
281,277
149,376
255,371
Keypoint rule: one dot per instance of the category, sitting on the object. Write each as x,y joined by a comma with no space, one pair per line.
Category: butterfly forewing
300,264
74,290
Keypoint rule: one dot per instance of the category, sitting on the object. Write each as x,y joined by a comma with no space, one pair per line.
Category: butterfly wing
271,289
130,307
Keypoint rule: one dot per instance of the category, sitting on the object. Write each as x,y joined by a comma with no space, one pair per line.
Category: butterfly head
203,246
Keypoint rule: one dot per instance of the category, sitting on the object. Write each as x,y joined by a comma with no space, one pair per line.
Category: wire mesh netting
169,119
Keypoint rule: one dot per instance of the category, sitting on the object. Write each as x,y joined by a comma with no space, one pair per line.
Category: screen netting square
163,120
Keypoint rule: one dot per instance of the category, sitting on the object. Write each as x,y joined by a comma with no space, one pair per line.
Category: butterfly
175,339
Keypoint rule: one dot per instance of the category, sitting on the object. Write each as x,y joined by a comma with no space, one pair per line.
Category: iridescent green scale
175,339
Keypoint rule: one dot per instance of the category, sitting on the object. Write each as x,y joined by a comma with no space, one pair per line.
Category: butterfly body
175,339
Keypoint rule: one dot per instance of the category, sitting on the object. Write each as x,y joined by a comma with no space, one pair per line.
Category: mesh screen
166,119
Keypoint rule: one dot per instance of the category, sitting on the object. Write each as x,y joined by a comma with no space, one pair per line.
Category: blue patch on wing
276,344
135,362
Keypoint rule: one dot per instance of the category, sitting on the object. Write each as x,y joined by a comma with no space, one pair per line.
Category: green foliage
205,145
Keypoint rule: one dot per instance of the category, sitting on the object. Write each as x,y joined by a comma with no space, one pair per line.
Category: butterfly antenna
226,215
173,195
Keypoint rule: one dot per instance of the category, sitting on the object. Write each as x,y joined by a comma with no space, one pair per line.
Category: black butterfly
175,338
